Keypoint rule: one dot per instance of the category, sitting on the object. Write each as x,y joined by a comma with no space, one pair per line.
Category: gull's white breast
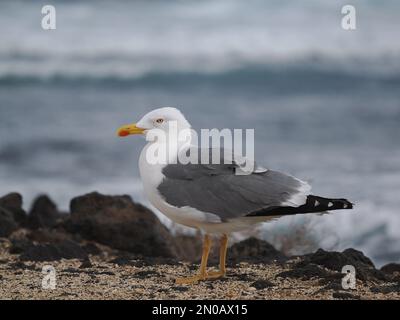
151,176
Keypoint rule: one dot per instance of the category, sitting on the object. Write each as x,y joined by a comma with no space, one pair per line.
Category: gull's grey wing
215,188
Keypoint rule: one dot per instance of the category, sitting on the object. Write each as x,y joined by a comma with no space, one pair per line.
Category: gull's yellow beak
129,129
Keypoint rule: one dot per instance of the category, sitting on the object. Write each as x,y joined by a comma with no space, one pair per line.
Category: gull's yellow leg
222,259
202,275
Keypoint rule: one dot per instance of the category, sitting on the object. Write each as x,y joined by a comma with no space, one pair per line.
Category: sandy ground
106,280
108,247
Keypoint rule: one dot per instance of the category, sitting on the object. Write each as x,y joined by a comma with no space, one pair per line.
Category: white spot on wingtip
345,206
316,204
330,204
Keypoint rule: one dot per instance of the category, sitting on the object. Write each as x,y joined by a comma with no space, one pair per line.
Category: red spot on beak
123,133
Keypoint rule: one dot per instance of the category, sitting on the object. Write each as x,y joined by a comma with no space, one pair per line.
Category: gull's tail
314,204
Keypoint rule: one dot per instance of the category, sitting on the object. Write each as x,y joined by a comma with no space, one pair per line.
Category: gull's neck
168,144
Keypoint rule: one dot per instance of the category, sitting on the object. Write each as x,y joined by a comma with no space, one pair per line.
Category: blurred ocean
324,102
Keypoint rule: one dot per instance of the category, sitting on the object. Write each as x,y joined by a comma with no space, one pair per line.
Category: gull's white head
158,119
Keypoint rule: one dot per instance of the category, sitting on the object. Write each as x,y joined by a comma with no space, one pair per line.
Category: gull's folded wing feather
215,188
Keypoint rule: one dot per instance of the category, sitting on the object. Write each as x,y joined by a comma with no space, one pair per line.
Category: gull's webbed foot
200,277
190,280
216,274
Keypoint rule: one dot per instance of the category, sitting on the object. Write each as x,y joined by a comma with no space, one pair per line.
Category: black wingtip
328,203
314,204
347,204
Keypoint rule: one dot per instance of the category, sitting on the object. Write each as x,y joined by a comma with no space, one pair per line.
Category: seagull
213,198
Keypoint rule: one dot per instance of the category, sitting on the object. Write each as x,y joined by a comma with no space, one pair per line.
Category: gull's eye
160,120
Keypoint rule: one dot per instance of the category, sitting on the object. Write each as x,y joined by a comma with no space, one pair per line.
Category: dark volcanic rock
255,251
51,252
329,284
345,295
189,248
391,268
86,264
125,260
44,213
307,272
141,261
365,269
336,260
19,245
53,235
13,203
146,274
7,223
21,265
180,288
91,248
262,284
386,289
357,257
120,223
